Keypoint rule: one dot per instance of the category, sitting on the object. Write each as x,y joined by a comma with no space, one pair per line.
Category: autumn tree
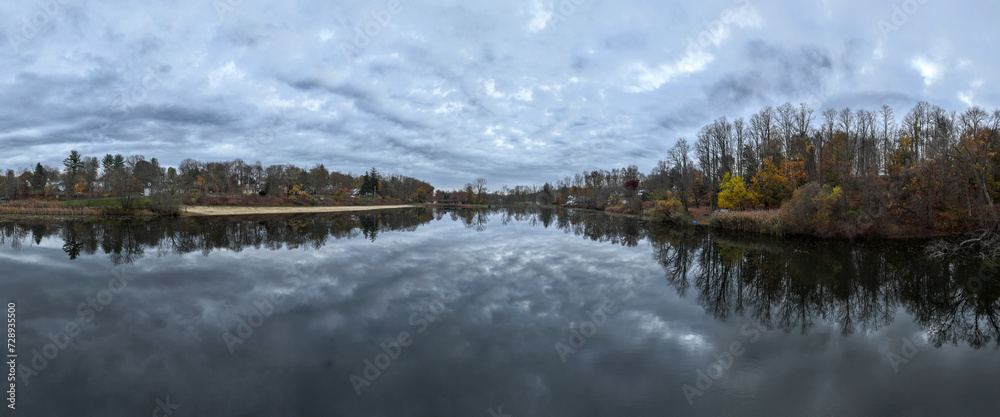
769,186
733,194
976,156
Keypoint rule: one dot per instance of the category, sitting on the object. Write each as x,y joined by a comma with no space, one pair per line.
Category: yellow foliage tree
295,189
80,187
734,193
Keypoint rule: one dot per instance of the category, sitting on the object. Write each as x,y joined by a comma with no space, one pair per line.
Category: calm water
533,313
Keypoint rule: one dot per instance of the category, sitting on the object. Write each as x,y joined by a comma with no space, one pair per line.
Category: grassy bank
258,210
767,222
775,222
43,208
161,205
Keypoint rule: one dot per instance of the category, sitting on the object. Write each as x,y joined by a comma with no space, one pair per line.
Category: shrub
661,194
668,211
165,204
815,209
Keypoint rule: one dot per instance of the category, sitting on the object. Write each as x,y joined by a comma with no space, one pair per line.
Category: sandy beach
238,211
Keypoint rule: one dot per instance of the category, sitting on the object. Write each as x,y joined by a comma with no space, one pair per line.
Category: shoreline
249,210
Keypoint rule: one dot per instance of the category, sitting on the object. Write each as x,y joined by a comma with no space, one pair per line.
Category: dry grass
38,208
755,221
239,211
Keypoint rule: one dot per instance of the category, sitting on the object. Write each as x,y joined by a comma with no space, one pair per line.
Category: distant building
57,186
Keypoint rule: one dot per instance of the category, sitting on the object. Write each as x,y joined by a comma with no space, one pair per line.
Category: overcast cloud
516,91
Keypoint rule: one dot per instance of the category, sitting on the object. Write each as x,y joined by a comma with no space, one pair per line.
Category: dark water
475,313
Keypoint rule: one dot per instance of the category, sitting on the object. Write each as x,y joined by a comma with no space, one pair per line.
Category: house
57,186
251,189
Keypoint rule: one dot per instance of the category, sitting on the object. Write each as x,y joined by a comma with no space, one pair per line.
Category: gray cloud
518,92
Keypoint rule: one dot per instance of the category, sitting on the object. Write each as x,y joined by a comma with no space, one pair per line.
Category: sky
515,91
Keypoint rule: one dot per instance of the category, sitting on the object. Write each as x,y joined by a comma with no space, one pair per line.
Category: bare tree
679,157
888,129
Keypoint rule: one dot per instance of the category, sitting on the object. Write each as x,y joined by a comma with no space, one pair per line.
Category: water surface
481,313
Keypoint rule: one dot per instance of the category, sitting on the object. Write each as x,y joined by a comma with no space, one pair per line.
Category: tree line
930,166
126,177
865,168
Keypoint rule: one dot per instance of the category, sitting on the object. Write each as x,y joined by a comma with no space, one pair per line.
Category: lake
489,313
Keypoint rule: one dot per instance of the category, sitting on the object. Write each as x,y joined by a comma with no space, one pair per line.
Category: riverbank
245,210
774,222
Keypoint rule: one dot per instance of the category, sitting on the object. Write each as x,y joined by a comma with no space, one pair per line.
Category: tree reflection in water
782,283
789,283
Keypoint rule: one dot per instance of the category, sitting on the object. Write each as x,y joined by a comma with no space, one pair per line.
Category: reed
38,208
767,222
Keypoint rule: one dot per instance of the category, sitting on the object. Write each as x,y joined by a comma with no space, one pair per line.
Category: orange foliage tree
770,185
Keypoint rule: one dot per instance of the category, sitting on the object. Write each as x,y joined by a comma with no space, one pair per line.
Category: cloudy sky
515,91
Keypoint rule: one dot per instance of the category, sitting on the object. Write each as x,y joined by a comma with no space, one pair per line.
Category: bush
668,211
661,194
815,209
165,204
